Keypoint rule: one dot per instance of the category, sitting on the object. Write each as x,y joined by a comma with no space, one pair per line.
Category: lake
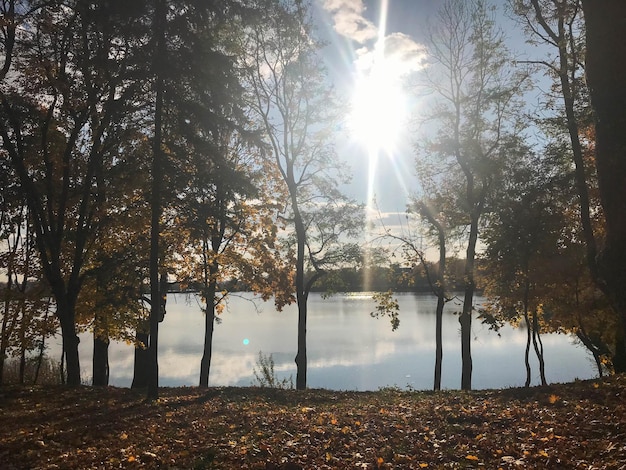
347,349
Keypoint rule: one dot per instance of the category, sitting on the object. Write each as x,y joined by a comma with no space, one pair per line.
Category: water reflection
347,349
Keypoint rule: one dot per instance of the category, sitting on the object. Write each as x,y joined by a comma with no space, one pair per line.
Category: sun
379,108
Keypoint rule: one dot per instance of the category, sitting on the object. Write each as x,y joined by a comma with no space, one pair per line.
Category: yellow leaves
473,458
123,436
131,458
423,465
543,453
553,399
334,421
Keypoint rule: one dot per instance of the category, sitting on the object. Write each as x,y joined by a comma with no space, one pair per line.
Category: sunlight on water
348,350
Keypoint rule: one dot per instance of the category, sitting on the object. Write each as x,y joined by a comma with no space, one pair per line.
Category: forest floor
577,425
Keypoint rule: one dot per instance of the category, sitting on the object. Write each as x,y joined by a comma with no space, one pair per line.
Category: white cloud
401,51
349,21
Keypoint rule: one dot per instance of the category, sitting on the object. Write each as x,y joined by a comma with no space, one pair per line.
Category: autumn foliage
578,425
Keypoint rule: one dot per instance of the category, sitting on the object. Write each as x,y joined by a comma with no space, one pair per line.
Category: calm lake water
347,349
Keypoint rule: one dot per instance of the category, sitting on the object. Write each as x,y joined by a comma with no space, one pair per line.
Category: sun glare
378,110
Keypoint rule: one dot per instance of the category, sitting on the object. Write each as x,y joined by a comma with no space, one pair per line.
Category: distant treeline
394,277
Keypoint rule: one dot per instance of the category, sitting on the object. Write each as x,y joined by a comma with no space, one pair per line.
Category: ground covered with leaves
578,425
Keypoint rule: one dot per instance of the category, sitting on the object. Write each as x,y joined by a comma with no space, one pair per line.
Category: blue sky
353,28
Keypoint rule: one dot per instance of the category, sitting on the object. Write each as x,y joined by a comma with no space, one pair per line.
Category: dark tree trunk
209,326
468,304
65,313
527,350
301,295
155,202
100,361
140,372
605,22
301,357
538,346
528,328
589,344
441,301
42,350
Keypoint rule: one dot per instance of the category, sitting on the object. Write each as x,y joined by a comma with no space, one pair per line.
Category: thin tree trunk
6,331
528,328
438,341
465,318
301,357
527,350
441,301
538,345
209,327
42,349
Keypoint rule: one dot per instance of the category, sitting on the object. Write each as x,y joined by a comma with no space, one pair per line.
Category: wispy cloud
349,21
400,49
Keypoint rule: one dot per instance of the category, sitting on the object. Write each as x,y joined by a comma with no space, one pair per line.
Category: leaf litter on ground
577,425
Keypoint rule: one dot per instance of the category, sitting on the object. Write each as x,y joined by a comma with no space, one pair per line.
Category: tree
526,236
560,25
476,129
293,104
59,118
606,75
229,213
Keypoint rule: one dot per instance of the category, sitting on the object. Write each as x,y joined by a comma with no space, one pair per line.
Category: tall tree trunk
528,331
301,356
155,201
301,294
441,301
605,22
209,327
468,304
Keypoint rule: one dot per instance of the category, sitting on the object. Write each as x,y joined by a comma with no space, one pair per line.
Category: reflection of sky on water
347,349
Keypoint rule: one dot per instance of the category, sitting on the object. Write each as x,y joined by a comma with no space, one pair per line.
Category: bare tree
475,91
294,105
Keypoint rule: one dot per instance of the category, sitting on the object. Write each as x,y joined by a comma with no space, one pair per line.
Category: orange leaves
552,399
249,428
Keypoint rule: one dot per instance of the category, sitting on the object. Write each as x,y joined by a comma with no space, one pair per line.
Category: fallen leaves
225,428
